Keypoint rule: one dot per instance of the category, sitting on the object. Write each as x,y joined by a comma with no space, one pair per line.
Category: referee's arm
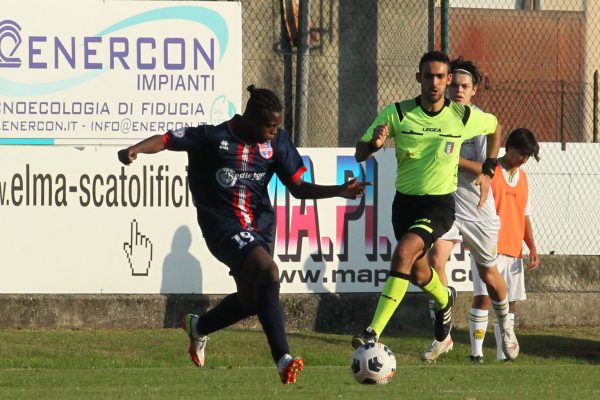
362,151
365,149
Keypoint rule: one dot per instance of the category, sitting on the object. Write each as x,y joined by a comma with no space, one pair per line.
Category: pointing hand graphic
138,251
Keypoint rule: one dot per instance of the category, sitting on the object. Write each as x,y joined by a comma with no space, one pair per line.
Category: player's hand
354,189
380,133
484,182
534,261
126,156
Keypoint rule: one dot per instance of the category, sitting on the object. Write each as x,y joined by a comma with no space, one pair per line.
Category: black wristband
371,147
489,166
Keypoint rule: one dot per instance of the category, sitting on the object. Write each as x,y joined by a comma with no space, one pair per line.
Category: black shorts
429,216
232,247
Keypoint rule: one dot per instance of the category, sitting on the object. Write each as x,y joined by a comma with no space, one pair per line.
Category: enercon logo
94,55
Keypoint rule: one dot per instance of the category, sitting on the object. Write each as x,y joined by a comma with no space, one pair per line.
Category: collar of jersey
429,113
505,167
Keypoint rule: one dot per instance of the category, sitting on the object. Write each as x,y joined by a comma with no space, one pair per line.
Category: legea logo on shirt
226,177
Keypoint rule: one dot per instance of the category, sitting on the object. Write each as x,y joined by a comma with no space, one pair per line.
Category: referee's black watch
489,166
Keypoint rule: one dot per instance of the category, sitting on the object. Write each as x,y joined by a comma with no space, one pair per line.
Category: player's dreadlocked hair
262,99
466,66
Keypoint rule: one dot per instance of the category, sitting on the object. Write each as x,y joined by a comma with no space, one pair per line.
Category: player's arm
289,167
534,260
471,166
484,179
493,142
305,190
151,145
474,166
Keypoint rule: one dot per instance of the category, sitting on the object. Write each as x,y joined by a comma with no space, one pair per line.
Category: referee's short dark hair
523,141
434,56
262,99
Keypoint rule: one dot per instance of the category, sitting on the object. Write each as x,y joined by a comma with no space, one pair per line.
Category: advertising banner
99,72
74,220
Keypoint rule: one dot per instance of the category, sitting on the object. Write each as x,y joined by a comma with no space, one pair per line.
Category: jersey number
243,238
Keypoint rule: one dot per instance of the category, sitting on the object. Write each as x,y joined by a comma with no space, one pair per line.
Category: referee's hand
380,133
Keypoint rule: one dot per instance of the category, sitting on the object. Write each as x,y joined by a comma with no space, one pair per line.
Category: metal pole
430,25
288,95
563,144
302,65
445,14
595,110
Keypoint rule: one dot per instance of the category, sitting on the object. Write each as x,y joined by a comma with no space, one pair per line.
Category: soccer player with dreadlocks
230,166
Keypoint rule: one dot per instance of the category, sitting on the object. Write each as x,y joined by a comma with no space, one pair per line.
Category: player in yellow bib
428,132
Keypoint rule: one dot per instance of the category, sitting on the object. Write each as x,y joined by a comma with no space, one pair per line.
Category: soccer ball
373,363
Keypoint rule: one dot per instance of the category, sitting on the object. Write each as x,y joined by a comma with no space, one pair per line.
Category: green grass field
153,364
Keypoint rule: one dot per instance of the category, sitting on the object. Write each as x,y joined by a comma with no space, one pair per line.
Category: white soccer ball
373,363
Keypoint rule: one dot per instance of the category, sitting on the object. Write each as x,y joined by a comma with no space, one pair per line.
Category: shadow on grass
548,344
554,346
344,314
545,345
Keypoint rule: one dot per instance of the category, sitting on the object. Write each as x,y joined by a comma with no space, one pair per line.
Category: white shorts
453,235
481,237
513,272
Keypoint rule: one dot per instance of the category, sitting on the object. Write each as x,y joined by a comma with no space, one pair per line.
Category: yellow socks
437,290
392,294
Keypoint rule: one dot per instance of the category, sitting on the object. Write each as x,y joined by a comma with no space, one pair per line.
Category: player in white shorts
478,223
511,269
511,195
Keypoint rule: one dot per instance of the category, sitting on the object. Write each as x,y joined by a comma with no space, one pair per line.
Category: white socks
499,352
478,322
501,309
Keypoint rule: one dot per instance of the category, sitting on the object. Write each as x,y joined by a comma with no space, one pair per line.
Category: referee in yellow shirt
428,132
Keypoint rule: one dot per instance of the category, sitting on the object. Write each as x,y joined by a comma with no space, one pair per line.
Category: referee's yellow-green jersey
428,145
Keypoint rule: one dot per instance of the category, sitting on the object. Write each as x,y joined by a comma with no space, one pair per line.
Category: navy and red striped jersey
228,178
